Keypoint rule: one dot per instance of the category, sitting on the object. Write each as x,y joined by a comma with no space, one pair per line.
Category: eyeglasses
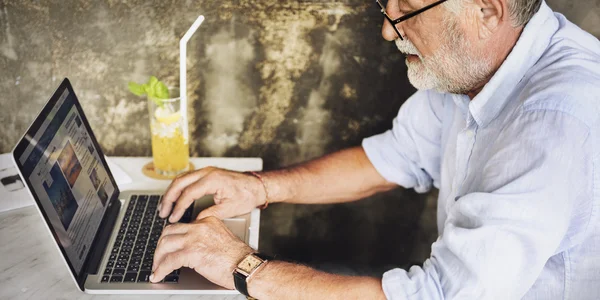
407,16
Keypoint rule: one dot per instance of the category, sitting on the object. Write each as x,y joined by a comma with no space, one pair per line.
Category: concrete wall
283,80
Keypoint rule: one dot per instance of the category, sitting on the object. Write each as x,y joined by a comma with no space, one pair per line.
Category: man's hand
234,193
206,245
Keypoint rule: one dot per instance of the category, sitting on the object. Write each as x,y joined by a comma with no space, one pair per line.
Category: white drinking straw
183,70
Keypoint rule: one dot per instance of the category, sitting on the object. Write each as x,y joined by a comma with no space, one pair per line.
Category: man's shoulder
566,79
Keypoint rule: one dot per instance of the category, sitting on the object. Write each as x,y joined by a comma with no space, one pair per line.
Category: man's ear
490,15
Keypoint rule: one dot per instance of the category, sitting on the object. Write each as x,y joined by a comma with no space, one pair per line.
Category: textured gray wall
283,80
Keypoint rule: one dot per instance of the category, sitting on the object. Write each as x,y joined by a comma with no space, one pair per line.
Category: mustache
406,47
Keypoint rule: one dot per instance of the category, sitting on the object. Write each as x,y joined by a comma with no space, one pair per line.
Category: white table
30,265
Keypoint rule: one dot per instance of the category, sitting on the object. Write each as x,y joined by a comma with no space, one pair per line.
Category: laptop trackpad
237,226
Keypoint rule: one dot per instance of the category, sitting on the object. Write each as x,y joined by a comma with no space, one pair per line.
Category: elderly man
505,123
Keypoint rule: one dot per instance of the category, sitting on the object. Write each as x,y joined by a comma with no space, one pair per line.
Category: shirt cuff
378,151
392,284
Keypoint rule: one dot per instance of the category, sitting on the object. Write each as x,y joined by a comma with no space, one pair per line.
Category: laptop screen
67,175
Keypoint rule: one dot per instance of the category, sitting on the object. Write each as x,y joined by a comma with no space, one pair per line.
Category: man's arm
343,176
282,280
339,177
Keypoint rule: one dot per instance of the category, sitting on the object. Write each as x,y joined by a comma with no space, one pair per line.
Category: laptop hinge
104,233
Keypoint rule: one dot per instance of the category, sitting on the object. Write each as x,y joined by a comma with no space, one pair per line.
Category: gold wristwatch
246,268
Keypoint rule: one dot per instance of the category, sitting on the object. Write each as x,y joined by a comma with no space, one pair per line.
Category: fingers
172,261
187,197
176,187
167,244
221,211
176,228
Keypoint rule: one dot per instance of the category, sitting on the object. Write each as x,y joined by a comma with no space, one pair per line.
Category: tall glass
170,146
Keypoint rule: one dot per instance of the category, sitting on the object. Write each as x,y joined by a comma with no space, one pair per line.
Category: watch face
249,263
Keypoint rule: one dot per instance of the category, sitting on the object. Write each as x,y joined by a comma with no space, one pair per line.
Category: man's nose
388,32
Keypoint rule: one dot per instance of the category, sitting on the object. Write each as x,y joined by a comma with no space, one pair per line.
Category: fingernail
152,277
159,207
173,218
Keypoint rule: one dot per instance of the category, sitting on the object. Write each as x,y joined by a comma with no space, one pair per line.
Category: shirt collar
532,43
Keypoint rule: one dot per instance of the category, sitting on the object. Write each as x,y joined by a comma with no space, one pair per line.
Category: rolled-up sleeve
496,242
409,153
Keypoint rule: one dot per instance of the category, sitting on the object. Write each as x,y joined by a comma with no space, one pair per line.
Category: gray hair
520,11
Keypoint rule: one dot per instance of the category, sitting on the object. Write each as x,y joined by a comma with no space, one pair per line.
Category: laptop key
116,278
144,276
147,266
118,272
137,255
105,278
133,269
107,271
171,279
130,277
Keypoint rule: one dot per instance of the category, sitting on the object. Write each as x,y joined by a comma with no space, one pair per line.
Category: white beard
453,68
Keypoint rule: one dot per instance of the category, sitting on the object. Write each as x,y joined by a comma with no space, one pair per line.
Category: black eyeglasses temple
416,12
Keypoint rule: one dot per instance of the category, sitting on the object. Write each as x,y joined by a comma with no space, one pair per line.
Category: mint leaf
161,91
152,82
136,89
147,89
154,89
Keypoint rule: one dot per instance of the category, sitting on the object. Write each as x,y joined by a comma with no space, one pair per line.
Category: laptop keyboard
132,254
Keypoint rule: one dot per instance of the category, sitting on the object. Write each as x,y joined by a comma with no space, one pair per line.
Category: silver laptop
106,237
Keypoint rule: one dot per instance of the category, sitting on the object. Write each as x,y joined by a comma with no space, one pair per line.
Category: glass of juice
170,146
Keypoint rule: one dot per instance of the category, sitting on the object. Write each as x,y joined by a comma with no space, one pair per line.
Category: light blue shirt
518,169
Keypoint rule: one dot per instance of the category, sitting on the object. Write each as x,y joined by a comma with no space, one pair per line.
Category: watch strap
239,281
263,256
